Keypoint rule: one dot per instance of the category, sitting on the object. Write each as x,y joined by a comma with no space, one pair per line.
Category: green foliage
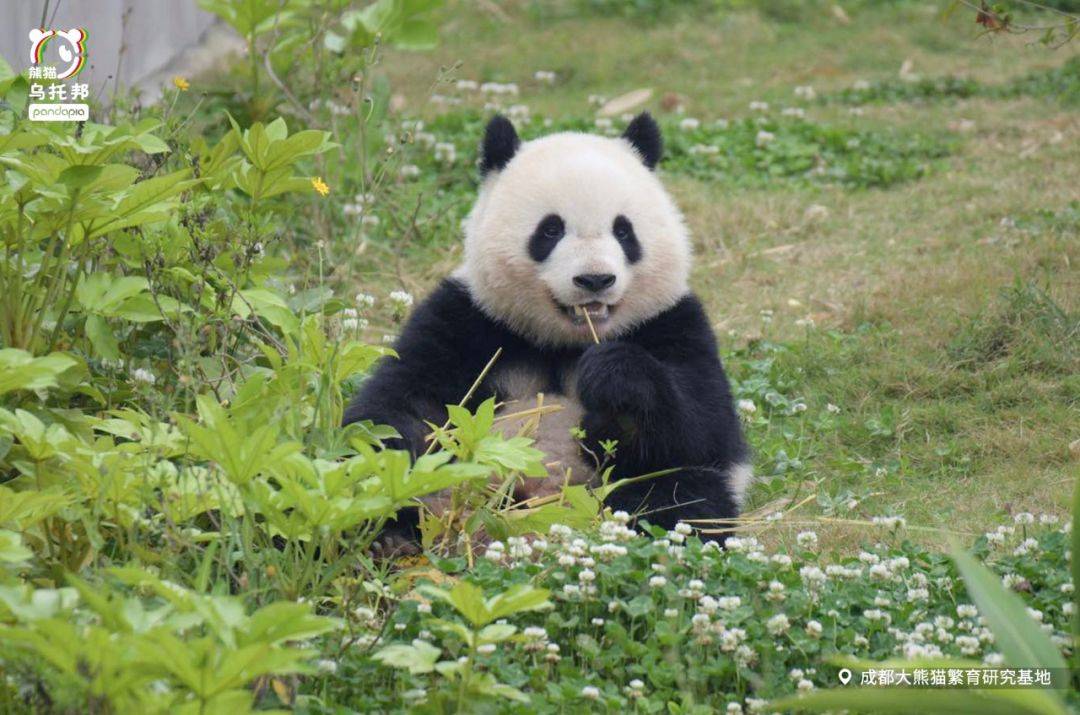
1061,83
665,622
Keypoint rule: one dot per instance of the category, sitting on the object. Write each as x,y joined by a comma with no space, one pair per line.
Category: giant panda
568,223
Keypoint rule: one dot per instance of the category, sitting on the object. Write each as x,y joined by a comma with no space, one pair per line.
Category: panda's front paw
619,377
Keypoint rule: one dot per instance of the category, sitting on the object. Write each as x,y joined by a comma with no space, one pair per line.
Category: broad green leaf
418,658
19,370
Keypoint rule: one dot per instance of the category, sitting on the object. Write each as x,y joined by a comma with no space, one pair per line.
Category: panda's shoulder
683,326
449,315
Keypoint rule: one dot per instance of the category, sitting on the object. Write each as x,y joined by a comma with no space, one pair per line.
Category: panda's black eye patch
623,231
548,232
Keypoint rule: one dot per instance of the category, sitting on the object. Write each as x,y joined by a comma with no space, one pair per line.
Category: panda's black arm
442,349
662,393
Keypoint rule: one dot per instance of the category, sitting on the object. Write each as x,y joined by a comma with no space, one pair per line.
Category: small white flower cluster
805,92
546,76
509,89
704,149
519,113
616,529
445,152
689,124
757,106
401,299
890,522
764,138
796,112
350,320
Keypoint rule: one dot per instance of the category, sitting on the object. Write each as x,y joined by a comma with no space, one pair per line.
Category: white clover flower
327,666
797,112
1027,546
657,582
689,124
860,85
1068,608
590,692
704,149
700,621
708,604
747,407
814,629
587,576
967,610
733,709
729,603
559,531
995,538
1024,518
485,649
807,539
467,85
757,705
918,594
757,106
518,113
684,528
763,138
1011,579
143,375
401,298
860,641
874,614
805,92
813,576
1066,587
635,688
778,624
1048,519
781,560
544,76
994,660
804,685
445,152
603,123
671,612
891,522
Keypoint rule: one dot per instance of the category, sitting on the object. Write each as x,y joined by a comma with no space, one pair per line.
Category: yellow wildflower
181,84
320,185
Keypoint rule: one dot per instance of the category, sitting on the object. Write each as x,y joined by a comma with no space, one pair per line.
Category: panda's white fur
587,180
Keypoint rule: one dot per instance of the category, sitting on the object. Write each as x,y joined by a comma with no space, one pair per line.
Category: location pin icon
845,676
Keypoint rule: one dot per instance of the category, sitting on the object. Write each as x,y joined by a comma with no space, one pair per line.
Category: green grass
944,305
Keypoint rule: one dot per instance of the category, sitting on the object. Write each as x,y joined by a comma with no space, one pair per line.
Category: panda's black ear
500,144
643,133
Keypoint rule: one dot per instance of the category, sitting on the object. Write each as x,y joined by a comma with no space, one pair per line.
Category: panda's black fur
658,389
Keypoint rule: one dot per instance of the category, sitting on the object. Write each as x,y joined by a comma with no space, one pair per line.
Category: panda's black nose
595,282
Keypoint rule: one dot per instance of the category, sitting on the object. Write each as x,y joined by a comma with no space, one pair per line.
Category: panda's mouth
597,312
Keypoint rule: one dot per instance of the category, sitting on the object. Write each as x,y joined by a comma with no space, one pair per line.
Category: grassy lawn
944,310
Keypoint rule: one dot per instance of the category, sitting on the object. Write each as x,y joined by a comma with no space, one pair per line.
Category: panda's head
574,222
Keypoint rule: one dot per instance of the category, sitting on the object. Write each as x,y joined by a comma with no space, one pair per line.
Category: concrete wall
143,36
